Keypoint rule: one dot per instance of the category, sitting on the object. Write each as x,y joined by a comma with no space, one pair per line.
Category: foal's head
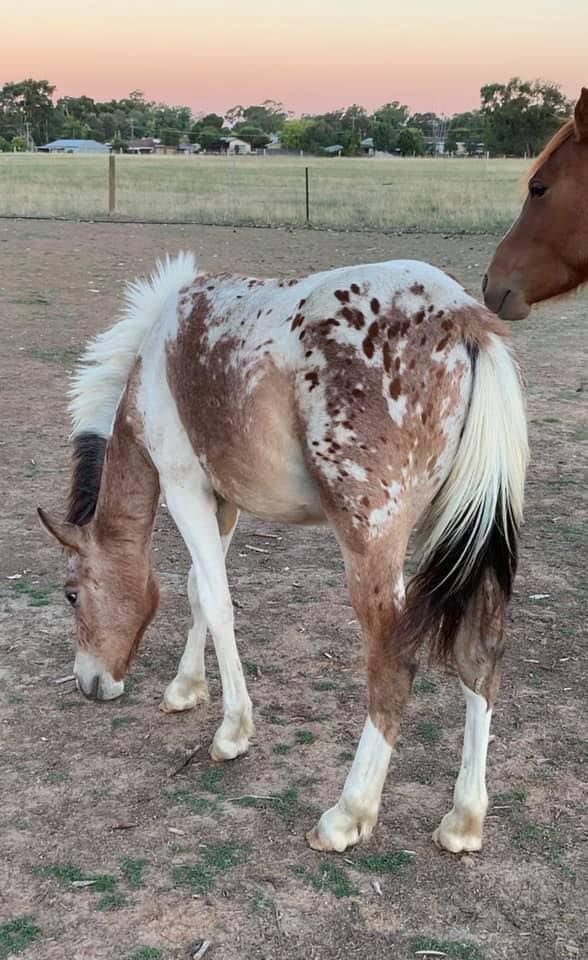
545,253
114,595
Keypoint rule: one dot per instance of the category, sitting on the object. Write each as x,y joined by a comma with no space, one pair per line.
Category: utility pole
28,138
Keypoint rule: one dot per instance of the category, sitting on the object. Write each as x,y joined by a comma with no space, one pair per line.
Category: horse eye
71,597
537,189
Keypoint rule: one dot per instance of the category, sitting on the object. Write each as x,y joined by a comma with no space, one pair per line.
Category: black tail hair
88,461
439,598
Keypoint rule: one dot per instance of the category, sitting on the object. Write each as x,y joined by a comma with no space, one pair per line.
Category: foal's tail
102,375
468,541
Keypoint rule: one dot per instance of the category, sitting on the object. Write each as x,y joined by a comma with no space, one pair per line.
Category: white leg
194,512
354,816
189,686
461,828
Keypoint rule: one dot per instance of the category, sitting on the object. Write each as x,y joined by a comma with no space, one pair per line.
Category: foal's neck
129,491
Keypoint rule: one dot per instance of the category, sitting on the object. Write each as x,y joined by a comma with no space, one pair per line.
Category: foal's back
338,391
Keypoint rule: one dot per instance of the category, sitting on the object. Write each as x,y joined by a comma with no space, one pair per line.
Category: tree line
513,119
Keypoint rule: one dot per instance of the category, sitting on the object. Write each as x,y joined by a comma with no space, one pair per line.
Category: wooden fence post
307,195
111,184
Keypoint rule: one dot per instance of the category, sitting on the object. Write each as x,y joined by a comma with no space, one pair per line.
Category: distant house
335,150
142,146
188,149
366,146
74,146
230,145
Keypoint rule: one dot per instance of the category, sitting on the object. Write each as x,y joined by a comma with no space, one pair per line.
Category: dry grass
443,195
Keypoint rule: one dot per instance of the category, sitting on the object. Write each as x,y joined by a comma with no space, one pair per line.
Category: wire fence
339,193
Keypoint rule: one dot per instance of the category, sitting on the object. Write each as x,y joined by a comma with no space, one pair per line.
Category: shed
74,146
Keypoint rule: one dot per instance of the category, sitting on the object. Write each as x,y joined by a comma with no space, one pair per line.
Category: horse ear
581,116
67,534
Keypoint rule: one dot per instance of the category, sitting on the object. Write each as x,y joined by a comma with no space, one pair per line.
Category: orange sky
313,55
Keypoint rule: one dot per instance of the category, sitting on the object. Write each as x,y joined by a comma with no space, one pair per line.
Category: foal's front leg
377,598
194,511
189,686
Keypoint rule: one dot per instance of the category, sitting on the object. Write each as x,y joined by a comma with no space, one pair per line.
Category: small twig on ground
250,796
266,536
199,949
67,679
124,826
377,887
278,921
185,762
430,953
83,883
249,546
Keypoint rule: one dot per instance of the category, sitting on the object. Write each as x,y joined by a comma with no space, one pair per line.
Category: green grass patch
424,686
346,756
201,806
385,862
211,779
217,859
37,596
281,749
428,731
451,948
261,903
111,901
285,805
132,871
68,874
321,685
57,776
66,357
16,935
515,799
31,470
304,737
328,878
117,722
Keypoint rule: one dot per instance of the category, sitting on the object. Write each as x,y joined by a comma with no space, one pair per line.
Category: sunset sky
313,55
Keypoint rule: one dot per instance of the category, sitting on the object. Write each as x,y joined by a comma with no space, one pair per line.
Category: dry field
110,849
438,195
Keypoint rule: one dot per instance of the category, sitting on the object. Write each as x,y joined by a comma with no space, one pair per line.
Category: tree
211,120
521,115
451,144
26,105
394,113
269,117
411,142
294,133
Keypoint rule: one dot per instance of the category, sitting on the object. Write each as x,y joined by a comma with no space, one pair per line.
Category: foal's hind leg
377,593
189,686
478,654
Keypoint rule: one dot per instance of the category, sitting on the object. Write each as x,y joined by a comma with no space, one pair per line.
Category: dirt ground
88,792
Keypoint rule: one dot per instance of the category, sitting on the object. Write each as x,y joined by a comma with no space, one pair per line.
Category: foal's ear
581,116
67,534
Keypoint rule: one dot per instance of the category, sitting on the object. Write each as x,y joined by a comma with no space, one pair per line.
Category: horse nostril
484,282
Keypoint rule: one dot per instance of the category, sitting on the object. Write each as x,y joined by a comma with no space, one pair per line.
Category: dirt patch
103,854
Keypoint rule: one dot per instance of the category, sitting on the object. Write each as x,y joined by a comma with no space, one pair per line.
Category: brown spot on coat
368,347
417,289
395,388
312,378
342,295
354,288
375,305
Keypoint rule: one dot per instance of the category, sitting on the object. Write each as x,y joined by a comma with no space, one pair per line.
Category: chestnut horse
545,253
372,398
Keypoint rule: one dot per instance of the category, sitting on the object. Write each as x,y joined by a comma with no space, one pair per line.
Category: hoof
184,695
232,738
459,833
338,830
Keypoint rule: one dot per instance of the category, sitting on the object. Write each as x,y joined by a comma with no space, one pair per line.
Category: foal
372,398
545,253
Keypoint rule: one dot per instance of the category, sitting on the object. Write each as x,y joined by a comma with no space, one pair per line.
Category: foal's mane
88,461
560,137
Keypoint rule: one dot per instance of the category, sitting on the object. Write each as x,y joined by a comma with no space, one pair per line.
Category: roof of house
83,146
334,148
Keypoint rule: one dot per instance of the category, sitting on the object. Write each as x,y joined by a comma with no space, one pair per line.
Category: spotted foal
374,398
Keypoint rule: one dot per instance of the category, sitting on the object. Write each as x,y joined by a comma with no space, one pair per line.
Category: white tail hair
107,360
487,478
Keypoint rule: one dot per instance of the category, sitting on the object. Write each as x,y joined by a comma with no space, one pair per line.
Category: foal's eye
71,597
536,188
